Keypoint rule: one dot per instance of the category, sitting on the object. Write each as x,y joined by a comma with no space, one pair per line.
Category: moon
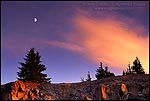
35,20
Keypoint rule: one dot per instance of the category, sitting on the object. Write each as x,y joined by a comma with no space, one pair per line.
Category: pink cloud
115,42
69,46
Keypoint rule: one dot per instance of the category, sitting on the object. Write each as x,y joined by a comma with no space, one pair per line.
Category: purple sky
52,35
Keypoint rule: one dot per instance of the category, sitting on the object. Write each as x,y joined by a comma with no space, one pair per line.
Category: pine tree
101,73
106,68
109,74
82,79
31,69
129,70
137,67
88,77
123,73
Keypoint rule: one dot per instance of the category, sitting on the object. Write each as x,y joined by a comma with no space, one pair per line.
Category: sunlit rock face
112,88
16,90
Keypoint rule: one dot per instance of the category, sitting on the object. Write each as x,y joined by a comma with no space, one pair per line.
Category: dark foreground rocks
112,88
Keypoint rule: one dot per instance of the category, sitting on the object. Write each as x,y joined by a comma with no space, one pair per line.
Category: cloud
69,46
115,42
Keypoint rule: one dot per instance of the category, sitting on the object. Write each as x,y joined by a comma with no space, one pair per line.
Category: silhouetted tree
109,74
88,77
31,69
137,67
82,79
101,73
106,68
123,73
129,70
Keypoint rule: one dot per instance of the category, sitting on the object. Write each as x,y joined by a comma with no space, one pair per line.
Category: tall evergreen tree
31,69
137,67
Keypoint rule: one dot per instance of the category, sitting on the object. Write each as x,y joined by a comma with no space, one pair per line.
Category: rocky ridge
111,88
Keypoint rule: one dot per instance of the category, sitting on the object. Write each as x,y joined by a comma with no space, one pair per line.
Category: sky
73,37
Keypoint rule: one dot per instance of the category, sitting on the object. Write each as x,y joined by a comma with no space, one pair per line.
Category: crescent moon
35,19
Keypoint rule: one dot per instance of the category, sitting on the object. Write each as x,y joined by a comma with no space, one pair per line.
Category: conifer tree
82,79
101,73
137,66
88,77
123,73
129,70
31,69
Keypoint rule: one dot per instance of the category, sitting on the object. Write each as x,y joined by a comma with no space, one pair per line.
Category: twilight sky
73,37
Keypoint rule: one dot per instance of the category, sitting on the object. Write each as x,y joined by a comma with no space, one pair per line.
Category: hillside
111,88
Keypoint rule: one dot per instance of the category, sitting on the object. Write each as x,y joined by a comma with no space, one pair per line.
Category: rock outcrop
16,90
111,88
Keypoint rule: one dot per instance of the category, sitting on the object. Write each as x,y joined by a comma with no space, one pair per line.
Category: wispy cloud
115,42
69,46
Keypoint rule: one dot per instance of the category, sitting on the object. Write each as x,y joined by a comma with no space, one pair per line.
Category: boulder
14,95
20,95
87,98
25,97
17,90
18,86
103,91
123,92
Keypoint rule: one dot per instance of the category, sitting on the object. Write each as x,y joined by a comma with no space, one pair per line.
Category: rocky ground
112,88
